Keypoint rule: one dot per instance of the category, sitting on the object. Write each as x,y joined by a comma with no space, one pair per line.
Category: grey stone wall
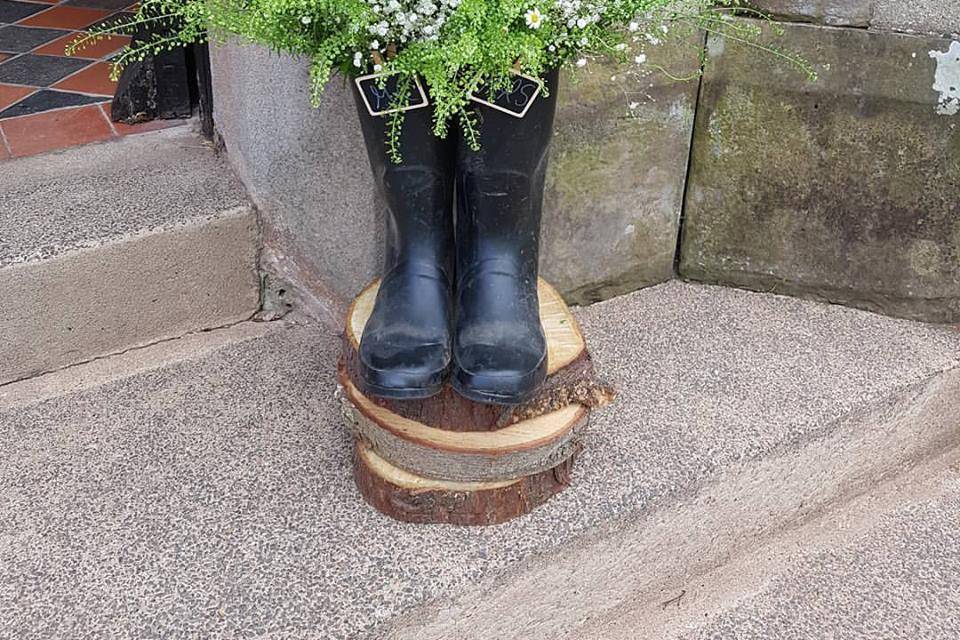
305,169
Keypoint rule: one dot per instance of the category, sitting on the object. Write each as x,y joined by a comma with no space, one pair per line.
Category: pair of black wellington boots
458,298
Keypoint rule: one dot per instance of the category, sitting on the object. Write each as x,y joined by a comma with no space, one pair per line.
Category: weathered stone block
850,13
615,187
845,189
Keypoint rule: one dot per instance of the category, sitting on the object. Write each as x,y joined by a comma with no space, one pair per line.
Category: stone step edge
635,560
133,362
100,242
697,599
132,291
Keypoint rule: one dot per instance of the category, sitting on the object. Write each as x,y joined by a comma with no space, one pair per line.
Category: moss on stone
848,191
616,181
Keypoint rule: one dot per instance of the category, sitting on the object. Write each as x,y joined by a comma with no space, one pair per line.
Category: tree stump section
410,498
447,459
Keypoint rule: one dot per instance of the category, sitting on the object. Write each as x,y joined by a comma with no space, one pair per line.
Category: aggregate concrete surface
81,197
899,581
213,498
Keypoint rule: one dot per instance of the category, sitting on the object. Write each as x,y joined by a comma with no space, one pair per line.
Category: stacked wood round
447,459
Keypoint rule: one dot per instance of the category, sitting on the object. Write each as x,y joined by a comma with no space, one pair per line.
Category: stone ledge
856,588
933,17
930,17
843,572
127,292
85,196
837,13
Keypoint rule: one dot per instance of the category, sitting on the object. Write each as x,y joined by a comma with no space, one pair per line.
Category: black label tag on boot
379,91
515,100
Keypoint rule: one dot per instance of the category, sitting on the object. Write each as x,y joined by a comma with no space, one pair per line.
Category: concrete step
861,574
883,565
210,496
112,246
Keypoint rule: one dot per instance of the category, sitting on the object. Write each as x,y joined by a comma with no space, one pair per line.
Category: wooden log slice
570,373
564,341
410,498
520,449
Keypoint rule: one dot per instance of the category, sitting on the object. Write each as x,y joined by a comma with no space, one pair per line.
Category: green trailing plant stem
400,100
454,46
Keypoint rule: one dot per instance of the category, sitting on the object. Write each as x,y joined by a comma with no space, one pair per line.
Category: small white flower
640,59
634,105
375,45
534,18
634,26
582,62
306,20
377,68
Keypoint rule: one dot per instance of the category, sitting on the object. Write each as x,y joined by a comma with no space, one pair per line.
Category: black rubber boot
499,350
405,349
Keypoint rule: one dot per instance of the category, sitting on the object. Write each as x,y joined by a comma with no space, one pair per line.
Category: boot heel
418,392
501,389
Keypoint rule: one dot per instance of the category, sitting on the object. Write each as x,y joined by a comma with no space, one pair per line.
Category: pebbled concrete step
900,579
113,246
883,565
211,497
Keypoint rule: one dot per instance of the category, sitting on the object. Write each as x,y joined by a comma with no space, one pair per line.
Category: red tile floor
48,100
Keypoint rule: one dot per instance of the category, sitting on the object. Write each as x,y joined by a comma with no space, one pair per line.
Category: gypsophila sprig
454,46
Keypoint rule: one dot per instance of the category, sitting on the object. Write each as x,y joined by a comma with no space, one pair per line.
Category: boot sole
526,387
391,393
431,385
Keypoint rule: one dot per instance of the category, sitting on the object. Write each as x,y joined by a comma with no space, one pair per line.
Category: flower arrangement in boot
453,96
454,46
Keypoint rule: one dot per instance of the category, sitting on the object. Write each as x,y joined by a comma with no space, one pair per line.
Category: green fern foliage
453,46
